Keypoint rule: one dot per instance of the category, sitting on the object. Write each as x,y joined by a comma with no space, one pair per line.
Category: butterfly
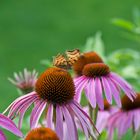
66,61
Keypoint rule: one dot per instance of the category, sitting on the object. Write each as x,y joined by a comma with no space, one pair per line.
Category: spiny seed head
55,85
86,58
127,104
95,69
41,133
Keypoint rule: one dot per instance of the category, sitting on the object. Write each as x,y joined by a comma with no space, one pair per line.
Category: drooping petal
22,112
124,86
107,90
49,117
36,113
102,119
124,122
72,135
90,93
78,80
85,117
9,125
137,120
59,122
115,92
20,104
82,122
11,106
121,124
111,124
2,136
79,89
98,91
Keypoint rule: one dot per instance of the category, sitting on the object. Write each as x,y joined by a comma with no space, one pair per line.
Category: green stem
90,111
93,115
135,136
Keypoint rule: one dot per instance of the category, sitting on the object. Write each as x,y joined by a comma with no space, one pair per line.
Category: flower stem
90,111
93,115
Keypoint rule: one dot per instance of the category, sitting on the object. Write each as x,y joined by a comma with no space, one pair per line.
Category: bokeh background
33,30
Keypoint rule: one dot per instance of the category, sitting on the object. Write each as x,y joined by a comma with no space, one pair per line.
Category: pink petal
50,116
82,122
11,106
115,92
78,80
124,85
111,124
107,90
79,89
124,122
90,93
102,119
59,122
9,125
137,119
72,135
98,91
120,80
36,113
22,112
2,136
16,107
85,117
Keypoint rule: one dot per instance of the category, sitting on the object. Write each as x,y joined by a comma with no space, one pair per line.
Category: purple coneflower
95,78
103,116
127,117
41,133
25,81
55,91
6,123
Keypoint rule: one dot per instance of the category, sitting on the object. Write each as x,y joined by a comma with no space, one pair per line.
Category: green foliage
122,61
95,43
131,29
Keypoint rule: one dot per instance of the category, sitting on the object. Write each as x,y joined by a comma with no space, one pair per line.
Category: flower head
9,125
55,90
97,78
125,118
25,81
41,133
86,58
55,85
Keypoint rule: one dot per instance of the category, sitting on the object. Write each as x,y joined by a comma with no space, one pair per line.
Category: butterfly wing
60,61
73,56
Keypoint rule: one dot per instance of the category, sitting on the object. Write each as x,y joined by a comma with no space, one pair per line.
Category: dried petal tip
127,104
86,58
55,85
42,133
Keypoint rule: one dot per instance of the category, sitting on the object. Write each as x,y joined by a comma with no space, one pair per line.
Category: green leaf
136,16
95,44
123,24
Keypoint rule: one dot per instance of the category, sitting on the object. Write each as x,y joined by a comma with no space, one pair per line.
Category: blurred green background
32,30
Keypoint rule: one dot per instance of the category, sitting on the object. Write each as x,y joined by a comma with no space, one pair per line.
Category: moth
66,61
